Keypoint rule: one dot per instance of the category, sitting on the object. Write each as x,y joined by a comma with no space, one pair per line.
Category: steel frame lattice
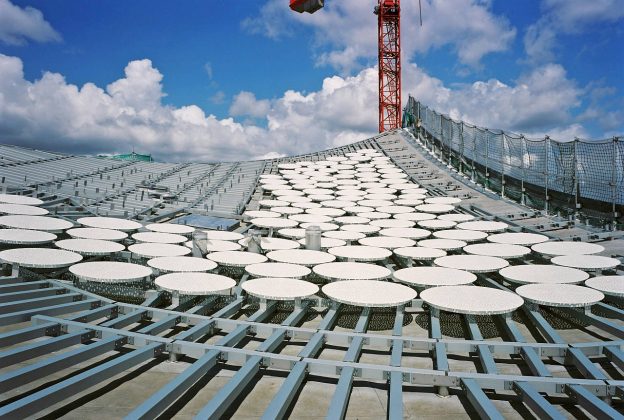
389,43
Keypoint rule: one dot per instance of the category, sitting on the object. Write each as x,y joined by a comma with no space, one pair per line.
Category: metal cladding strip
340,400
17,336
594,405
485,356
23,316
40,400
27,374
395,398
536,402
284,397
176,388
39,348
27,304
480,401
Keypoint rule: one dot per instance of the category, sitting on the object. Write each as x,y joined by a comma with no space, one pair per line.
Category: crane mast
389,54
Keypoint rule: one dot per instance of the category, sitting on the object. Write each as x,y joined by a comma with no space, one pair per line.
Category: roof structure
297,332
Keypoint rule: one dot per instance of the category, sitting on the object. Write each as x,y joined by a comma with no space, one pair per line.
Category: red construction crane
389,44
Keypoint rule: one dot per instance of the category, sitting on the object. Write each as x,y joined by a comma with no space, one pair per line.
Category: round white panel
369,293
374,215
435,208
194,283
360,253
517,238
609,285
309,218
90,246
182,264
410,233
272,244
278,288
562,295
461,235
110,271
443,244
237,258
414,217
274,269
351,220
152,250
20,199
410,202
110,223
279,210
324,227
471,300
43,223
586,262
25,237
216,245
483,226
344,235
542,273
305,257
222,235
436,224
433,276
338,271
262,213
366,229
456,217
392,223
498,250
395,209
170,228
358,209
22,209
338,204
472,263
40,257
443,200
375,203
272,203
292,233
326,211
97,233
158,237
420,253
274,222
326,242
556,248
388,242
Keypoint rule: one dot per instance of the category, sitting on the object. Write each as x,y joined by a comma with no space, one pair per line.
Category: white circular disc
236,258
433,276
326,211
110,223
360,253
309,218
471,300
25,237
274,222
110,271
344,235
374,215
395,209
278,211
366,229
435,208
392,223
181,264
518,238
304,257
351,220
461,235
152,250
498,250
443,200
414,217
472,263
609,285
279,288
456,217
272,244
263,213
272,203
22,209
443,244
561,295
387,242
586,262
90,246
419,253
274,269
20,199
43,223
292,233
221,235
216,245
483,226
542,273
194,283
338,271
436,224
170,228
158,237
326,242
410,233
556,248
369,293
40,257
97,233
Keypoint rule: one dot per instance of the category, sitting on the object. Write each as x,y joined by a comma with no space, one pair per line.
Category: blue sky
213,80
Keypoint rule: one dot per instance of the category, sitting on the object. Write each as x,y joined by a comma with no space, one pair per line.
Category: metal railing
560,176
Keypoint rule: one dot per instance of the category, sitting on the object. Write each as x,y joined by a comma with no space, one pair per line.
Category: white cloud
346,30
246,104
18,25
52,114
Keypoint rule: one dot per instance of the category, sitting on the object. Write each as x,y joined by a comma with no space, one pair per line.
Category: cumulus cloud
52,114
346,36
19,25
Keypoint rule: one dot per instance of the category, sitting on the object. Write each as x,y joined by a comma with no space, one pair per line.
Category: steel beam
68,388
395,391
536,402
26,304
485,356
17,336
31,294
615,355
594,405
479,401
23,316
126,319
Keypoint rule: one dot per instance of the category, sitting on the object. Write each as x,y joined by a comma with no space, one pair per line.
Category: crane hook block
309,6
